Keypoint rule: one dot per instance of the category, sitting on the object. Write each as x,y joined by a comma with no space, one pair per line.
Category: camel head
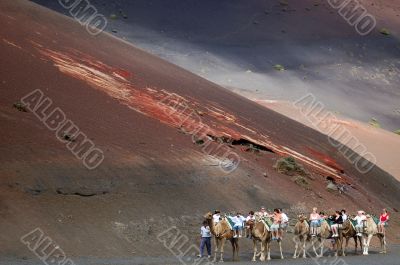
208,216
301,218
257,216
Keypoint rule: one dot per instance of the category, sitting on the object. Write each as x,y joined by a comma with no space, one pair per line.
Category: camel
265,245
348,232
222,232
260,234
301,236
325,233
370,230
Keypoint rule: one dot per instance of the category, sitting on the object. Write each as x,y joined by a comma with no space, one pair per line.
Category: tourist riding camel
360,219
315,223
383,221
323,233
238,221
277,220
249,221
284,224
337,221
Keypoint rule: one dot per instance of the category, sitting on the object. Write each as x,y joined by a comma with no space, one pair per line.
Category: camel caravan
310,232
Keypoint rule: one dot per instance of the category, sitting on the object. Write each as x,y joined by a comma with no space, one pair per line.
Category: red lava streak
117,83
326,159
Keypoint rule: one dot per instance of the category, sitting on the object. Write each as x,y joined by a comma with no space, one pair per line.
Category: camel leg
262,258
304,247
237,249
221,259
255,250
367,241
341,246
384,243
357,240
382,239
269,250
295,248
345,246
364,243
313,245
337,247
280,247
233,249
322,247
216,249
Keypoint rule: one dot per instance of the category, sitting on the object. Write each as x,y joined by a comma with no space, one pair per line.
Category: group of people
339,217
280,222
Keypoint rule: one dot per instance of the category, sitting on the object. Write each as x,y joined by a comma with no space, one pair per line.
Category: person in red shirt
383,219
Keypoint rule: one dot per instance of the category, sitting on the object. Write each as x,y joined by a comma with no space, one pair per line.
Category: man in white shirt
205,239
250,216
238,221
216,216
263,212
360,218
285,219
284,224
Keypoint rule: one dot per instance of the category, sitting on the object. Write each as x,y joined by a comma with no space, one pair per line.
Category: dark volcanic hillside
153,176
236,44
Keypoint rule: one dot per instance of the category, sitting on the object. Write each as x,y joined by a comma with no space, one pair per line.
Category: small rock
332,187
279,67
384,31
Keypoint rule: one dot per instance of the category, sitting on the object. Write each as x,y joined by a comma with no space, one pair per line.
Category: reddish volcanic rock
147,116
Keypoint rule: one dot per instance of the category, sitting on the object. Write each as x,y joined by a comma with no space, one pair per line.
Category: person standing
205,240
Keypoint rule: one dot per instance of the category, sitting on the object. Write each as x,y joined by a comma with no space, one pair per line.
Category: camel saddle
267,222
231,224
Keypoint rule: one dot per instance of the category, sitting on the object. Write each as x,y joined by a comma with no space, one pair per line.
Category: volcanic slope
153,174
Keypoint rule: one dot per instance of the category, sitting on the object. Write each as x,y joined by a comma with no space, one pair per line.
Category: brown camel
370,230
325,233
266,245
260,234
348,232
301,236
222,232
